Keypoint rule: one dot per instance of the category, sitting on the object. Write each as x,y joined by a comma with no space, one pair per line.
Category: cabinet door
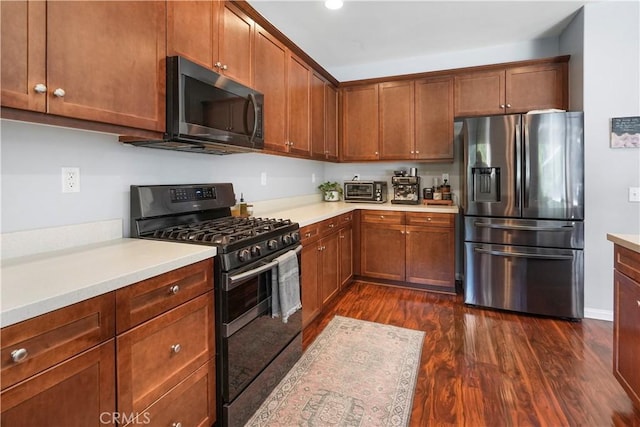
236,44
383,251
270,79
23,54
311,298
108,61
299,105
331,123
330,266
192,30
536,87
434,119
396,120
360,123
318,118
626,329
77,392
480,93
430,256
346,255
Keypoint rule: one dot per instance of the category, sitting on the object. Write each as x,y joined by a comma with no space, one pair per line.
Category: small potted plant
331,191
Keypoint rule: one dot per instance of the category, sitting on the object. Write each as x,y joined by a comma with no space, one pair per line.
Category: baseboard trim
599,314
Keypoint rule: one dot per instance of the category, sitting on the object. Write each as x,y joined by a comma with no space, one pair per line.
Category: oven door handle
229,329
234,280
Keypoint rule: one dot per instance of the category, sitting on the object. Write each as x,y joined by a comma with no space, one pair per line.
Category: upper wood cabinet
397,116
360,123
299,106
270,78
324,119
86,60
512,89
215,34
434,119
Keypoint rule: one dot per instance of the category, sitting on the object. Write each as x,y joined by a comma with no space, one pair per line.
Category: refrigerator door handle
522,255
527,166
518,163
521,227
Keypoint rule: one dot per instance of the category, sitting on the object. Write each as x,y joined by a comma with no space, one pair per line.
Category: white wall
611,78
32,156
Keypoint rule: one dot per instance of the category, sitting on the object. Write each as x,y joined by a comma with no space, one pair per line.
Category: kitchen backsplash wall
33,155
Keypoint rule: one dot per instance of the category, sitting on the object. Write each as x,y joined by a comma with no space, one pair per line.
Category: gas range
201,214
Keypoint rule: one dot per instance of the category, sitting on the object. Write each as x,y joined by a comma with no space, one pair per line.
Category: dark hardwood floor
488,368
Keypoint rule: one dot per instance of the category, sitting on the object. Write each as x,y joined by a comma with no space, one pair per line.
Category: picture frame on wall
625,132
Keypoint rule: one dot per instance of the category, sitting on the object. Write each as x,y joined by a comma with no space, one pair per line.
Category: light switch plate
634,194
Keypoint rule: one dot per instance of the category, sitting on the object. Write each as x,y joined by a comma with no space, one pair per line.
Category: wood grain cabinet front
157,355
626,321
114,73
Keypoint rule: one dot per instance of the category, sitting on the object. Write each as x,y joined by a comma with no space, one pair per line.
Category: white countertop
37,284
311,213
629,241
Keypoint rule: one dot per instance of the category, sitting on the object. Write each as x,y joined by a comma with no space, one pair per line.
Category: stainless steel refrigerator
523,213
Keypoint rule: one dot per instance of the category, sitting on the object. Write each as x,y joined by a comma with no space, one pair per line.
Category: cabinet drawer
157,355
328,226
627,262
434,219
383,217
144,300
190,403
345,219
309,233
53,337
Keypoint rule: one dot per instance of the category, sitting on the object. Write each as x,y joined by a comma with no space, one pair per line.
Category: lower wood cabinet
412,247
626,322
346,254
77,392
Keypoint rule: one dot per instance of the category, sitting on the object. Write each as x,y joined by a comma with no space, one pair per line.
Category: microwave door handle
254,102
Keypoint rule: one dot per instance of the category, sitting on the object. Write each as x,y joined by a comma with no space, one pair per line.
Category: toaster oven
365,191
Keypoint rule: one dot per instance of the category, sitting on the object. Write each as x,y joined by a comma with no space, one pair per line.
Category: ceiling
373,31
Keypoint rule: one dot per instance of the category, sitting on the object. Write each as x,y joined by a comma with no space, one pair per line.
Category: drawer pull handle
381,216
331,225
178,424
176,348
19,355
174,289
307,234
638,303
429,219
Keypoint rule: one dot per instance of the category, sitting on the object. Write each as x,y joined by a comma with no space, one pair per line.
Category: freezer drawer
529,280
525,232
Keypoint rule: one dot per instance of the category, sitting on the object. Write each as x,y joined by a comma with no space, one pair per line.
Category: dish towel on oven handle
285,286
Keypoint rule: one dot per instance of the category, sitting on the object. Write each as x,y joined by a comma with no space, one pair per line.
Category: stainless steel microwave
365,191
208,112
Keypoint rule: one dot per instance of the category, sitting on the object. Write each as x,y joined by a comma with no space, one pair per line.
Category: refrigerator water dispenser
486,184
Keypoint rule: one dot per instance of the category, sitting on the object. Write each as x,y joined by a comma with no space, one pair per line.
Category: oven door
251,338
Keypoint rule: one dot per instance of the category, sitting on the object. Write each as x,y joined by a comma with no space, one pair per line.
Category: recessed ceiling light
333,4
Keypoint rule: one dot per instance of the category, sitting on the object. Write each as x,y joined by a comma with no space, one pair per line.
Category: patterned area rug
356,373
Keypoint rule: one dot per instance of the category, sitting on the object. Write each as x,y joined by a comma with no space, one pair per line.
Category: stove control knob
286,239
256,251
272,244
244,255
295,236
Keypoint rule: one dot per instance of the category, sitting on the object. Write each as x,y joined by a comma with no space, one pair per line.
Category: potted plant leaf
331,191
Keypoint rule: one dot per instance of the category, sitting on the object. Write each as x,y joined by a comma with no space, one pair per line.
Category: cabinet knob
60,93
381,216
406,232
412,152
401,231
417,152
376,153
174,289
19,355
224,67
307,234
342,236
40,88
176,348
331,225
508,105
638,303
178,424
502,106
429,219
218,64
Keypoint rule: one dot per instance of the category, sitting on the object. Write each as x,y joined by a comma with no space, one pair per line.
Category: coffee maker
406,188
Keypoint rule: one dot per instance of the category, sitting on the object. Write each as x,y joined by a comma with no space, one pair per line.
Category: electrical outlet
263,178
445,176
634,194
70,180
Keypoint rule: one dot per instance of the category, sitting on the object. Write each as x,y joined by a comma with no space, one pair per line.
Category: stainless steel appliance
406,189
524,211
209,113
253,350
365,191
